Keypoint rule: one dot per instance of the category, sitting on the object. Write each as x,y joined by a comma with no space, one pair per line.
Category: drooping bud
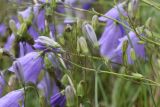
64,80
94,21
45,43
132,7
133,54
62,63
90,34
149,22
80,89
12,25
70,96
82,45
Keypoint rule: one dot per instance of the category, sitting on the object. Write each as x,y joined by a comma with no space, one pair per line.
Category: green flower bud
137,75
64,80
132,7
125,46
148,23
30,19
94,21
1,52
22,30
133,54
82,45
141,42
20,18
80,89
12,25
47,62
70,96
124,49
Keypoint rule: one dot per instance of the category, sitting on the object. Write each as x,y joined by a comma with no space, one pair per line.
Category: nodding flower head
12,99
31,65
114,13
47,44
58,100
109,39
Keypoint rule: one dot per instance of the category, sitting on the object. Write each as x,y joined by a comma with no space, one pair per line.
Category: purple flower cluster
35,54
114,35
38,58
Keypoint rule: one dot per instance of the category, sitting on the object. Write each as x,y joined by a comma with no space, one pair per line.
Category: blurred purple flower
24,48
109,39
58,100
32,64
48,86
3,29
138,48
41,20
2,84
114,13
12,99
9,42
33,32
25,13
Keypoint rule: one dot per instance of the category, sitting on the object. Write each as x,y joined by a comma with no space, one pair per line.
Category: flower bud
124,49
132,7
90,34
43,101
148,33
80,89
94,21
149,22
82,45
64,80
12,82
12,25
125,46
23,29
70,97
133,54
43,43
141,42
61,61
137,75
47,62
20,18
30,19
1,52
